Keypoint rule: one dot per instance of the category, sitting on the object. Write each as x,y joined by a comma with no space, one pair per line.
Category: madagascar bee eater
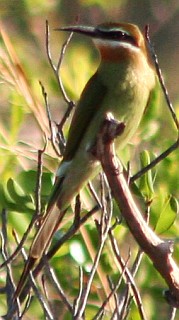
121,85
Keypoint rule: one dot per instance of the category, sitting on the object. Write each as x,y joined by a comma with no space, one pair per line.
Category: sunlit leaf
168,215
146,184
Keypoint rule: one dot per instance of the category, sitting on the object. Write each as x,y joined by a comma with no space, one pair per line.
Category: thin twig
129,278
175,145
125,296
153,163
116,311
172,314
37,211
56,70
58,288
72,230
161,79
10,286
78,299
113,291
61,145
43,304
94,194
104,229
101,310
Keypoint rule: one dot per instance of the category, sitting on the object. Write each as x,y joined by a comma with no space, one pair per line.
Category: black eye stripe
115,35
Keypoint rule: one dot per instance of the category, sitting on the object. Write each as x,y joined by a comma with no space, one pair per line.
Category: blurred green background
23,122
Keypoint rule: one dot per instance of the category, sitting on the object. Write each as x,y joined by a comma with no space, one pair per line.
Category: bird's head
115,41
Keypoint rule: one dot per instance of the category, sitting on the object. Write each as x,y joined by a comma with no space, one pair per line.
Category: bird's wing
90,100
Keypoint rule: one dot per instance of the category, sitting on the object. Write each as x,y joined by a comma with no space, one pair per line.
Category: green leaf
146,181
19,194
168,215
14,198
16,192
28,181
174,204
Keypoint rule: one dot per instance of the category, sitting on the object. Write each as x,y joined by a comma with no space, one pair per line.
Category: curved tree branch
159,251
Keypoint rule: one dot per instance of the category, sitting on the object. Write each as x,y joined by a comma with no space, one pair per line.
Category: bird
122,86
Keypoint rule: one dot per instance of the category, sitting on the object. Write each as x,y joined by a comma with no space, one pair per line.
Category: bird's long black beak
86,30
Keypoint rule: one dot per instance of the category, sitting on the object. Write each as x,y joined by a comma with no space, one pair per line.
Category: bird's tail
39,246
43,237
28,267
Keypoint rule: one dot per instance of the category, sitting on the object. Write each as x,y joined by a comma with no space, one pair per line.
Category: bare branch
159,251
